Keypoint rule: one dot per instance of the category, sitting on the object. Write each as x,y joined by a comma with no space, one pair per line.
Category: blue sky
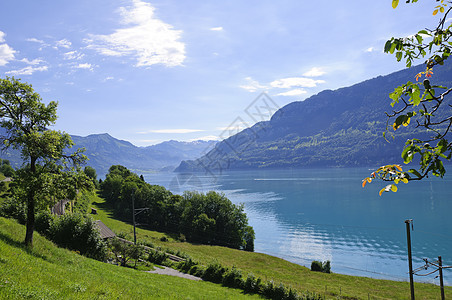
149,71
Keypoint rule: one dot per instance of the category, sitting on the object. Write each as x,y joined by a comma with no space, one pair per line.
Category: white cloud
295,92
64,43
73,55
370,49
206,138
252,85
33,62
217,28
108,78
35,40
27,70
290,82
148,39
6,52
84,66
314,72
172,131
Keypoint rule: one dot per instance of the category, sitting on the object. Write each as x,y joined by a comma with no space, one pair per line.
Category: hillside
340,128
48,272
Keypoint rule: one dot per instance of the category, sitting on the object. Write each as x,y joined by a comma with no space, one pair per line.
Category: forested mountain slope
336,128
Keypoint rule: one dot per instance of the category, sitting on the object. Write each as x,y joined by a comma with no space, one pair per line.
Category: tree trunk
30,220
30,209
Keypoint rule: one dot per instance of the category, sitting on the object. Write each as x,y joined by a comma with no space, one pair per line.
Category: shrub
157,257
185,266
13,208
252,284
43,223
233,278
318,266
214,273
76,232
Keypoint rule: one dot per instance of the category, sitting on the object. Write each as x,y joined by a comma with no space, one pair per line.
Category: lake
324,214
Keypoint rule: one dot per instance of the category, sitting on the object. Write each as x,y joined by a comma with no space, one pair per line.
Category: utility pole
441,283
410,263
135,212
133,218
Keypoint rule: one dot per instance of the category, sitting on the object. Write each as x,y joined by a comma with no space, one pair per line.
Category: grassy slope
272,268
49,272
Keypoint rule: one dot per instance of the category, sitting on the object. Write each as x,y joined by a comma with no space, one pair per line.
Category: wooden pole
410,263
441,282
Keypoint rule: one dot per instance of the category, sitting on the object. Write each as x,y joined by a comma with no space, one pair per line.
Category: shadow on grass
8,240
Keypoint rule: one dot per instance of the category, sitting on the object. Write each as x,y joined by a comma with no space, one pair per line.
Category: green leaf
419,38
399,55
388,46
415,172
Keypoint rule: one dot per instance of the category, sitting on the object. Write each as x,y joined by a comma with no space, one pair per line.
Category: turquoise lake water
325,214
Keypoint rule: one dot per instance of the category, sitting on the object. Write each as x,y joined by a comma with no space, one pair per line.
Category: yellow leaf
407,122
441,9
364,182
404,180
435,12
396,181
381,191
395,3
394,188
398,167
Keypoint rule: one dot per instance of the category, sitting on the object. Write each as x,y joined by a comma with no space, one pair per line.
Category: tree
424,105
26,120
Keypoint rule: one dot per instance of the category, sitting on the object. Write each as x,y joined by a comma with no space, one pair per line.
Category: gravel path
172,272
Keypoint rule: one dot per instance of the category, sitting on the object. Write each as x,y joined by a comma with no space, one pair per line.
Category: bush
233,278
157,257
318,266
13,208
76,232
43,223
252,284
214,273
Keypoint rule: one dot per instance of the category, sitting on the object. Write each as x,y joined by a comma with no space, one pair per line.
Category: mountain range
340,128
104,151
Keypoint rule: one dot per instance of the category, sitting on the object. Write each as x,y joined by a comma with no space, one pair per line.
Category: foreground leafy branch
421,104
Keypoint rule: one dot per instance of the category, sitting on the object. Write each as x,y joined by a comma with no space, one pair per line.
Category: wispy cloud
73,55
295,92
370,49
219,28
290,82
27,70
172,131
149,40
33,62
206,138
35,40
314,72
252,85
64,43
84,66
6,52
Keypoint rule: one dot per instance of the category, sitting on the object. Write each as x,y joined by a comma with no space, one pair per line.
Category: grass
49,272
280,271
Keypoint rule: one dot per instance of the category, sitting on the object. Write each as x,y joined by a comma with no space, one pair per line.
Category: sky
149,71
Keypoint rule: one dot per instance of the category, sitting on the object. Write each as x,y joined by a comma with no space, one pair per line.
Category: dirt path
172,272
